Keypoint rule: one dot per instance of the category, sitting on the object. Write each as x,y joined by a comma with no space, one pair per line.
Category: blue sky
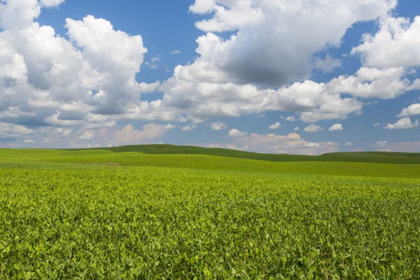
217,73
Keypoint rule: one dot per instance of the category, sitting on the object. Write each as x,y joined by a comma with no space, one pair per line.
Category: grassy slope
374,157
204,162
83,221
69,215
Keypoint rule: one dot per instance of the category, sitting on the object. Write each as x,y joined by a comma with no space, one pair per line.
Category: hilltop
370,157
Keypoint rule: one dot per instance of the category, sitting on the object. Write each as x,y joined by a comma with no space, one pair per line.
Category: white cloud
348,144
313,128
285,35
274,126
48,80
290,119
373,83
54,120
394,45
218,126
209,100
336,127
175,52
273,143
188,128
237,14
296,128
236,133
8,130
51,3
87,136
411,110
89,82
328,64
229,80
404,123
149,132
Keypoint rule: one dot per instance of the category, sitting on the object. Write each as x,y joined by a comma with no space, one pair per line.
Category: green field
168,212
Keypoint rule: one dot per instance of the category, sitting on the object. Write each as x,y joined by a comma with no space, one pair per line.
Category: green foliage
106,215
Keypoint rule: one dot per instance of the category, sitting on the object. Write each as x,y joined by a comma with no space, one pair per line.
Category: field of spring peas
106,214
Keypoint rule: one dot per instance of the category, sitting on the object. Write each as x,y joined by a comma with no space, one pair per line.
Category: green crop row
70,221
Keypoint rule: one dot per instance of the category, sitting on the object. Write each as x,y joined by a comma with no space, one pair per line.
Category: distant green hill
370,157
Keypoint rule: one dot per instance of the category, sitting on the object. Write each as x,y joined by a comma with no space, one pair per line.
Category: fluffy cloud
87,84
411,110
236,133
336,127
404,123
87,136
228,79
273,143
188,128
328,64
313,128
206,100
401,39
8,130
95,70
129,135
374,83
290,119
218,126
87,81
285,35
274,126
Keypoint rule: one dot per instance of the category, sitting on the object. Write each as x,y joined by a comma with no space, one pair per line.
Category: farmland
149,213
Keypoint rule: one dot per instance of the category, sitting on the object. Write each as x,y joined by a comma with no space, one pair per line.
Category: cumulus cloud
272,143
348,144
313,128
89,80
87,136
336,127
274,31
218,126
290,119
229,80
8,130
401,38
129,135
274,126
328,64
236,133
207,100
374,83
188,127
411,110
87,83
403,123
95,70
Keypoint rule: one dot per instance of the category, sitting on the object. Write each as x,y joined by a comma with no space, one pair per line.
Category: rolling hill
369,157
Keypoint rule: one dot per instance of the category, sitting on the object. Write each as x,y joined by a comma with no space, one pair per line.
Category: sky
270,76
